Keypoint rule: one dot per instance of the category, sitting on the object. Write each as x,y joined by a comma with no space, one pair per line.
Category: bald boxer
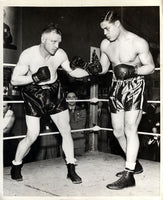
131,60
36,72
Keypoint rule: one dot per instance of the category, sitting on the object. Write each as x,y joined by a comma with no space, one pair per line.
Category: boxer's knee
32,136
65,131
33,128
118,132
130,129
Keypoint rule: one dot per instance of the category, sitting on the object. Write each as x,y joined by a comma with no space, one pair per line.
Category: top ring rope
13,65
9,65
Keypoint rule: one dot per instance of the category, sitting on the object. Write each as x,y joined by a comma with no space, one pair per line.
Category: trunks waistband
129,79
45,86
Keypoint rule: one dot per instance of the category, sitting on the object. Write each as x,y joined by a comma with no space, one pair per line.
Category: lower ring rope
43,134
139,132
95,128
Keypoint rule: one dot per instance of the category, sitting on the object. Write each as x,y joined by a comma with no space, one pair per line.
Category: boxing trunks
127,94
43,99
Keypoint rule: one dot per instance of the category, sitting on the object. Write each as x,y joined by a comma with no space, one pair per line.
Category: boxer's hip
43,99
127,94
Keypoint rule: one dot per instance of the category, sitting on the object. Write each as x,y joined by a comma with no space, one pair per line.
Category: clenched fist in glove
78,62
92,68
43,74
123,71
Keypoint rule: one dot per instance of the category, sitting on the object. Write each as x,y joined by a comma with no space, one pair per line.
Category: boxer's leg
33,130
135,116
62,122
131,120
118,128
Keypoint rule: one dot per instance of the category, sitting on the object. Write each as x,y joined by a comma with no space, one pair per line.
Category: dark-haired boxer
36,72
131,59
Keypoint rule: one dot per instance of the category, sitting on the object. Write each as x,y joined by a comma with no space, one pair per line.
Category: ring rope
95,128
93,100
43,134
9,65
13,65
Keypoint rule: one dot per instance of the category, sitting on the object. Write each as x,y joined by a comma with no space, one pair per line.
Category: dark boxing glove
43,74
123,71
94,68
78,62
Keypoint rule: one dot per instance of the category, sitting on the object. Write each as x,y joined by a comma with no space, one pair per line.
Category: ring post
93,136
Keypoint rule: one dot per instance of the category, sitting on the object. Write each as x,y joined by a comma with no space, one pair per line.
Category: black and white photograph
81,101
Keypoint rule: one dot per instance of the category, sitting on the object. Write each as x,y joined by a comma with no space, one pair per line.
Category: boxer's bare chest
38,61
122,52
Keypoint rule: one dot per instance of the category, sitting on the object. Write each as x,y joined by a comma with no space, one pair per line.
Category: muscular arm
145,57
104,58
20,73
77,73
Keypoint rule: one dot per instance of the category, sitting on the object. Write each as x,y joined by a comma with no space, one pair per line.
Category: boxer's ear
117,23
43,38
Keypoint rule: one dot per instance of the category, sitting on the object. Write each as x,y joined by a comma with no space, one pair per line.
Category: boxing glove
94,68
123,71
77,62
43,74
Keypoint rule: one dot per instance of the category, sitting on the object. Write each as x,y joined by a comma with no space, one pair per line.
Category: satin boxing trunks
127,94
43,99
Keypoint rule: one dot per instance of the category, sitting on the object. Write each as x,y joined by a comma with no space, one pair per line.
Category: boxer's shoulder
105,44
61,55
60,52
31,50
137,40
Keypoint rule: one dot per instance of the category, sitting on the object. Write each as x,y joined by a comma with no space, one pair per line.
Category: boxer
36,72
131,60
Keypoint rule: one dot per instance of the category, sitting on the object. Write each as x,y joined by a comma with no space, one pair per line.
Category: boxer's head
50,38
52,28
111,25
